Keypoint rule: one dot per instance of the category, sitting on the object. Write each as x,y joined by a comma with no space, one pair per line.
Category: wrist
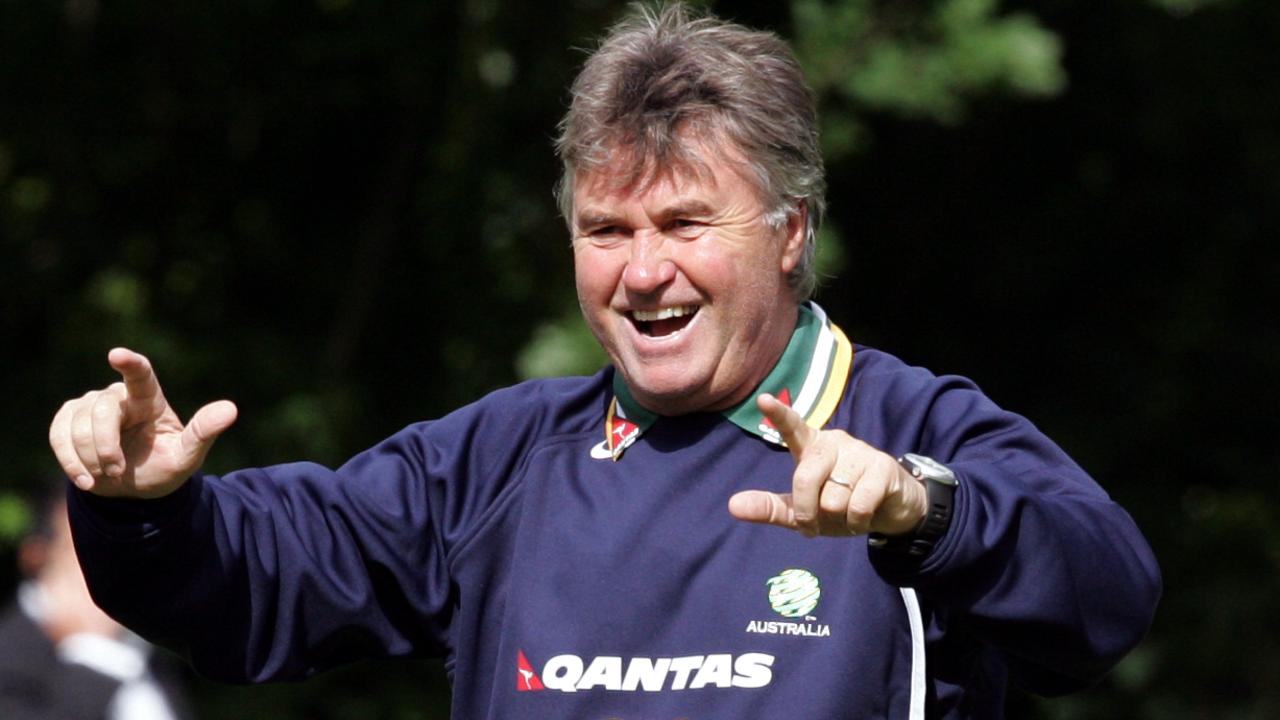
934,492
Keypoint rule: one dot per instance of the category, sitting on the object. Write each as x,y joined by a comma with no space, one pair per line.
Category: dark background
339,214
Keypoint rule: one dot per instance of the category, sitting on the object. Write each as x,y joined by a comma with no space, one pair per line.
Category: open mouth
664,321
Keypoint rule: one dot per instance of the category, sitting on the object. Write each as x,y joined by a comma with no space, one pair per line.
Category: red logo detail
623,430
784,397
526,678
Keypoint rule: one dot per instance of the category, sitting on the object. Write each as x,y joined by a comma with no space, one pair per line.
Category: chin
670,391
666,396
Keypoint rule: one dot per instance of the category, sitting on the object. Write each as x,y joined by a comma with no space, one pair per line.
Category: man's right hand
126,440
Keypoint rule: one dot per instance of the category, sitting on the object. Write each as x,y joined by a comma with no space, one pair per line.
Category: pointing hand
841,485
126,440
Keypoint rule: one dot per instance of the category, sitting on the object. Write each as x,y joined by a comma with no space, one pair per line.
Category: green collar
810,377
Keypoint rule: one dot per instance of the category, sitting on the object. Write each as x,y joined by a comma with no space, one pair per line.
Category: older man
565,545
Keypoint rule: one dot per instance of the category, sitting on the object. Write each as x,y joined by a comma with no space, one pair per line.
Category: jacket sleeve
1039,563
285,571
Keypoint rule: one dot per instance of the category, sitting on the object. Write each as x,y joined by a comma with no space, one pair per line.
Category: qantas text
570,673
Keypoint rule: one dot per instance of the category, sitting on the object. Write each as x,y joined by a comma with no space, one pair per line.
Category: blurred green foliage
16,517
924,60
339,214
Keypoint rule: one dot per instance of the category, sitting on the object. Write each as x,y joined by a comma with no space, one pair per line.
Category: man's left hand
841,485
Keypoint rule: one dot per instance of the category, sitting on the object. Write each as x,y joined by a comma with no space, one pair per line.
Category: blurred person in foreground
565,544
61,657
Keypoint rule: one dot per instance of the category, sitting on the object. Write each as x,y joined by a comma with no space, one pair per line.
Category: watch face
931,468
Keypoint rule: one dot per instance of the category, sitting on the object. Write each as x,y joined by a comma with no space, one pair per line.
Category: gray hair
663,79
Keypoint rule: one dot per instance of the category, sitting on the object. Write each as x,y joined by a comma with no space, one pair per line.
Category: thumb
760,506
204,427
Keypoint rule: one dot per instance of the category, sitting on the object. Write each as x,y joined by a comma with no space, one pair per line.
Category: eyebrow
597,219
685,208
681,208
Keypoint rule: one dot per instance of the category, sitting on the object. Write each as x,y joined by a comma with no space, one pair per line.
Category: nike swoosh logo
602,451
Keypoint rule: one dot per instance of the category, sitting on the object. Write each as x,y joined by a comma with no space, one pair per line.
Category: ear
33,555
794,240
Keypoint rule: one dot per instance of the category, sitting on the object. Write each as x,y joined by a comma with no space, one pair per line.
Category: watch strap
940,490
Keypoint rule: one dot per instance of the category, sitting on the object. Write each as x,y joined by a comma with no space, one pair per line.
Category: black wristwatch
940,490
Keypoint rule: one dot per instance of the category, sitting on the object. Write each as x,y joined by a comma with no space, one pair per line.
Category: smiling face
683,281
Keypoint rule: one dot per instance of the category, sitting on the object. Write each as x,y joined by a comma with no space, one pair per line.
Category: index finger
795,433
143,399
135,369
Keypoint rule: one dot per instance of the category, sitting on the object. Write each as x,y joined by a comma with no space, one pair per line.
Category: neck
773,342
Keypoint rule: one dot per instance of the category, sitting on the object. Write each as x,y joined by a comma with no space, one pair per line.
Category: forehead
705,171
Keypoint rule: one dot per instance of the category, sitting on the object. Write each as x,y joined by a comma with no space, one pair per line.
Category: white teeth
664,313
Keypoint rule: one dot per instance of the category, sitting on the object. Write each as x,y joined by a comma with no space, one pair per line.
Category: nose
650,265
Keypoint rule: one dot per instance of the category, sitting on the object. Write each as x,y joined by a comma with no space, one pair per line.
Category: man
61,657
565,543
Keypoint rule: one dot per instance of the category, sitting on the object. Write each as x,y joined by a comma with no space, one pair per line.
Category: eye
606,235
686,228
